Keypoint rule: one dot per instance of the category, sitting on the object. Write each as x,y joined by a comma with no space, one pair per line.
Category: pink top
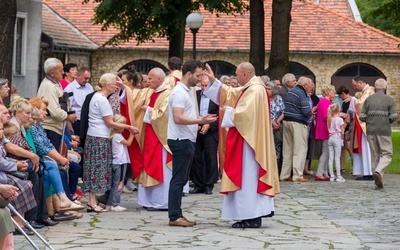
64,83
321,126
336,126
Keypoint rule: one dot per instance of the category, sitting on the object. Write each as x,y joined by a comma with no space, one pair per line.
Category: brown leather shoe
378,180
181,222
194,223
286,179
301,180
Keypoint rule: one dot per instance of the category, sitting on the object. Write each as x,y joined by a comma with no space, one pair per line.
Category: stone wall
324,66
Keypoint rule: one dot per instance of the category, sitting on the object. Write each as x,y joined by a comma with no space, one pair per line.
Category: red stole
357,136
233,165
152,149
135,153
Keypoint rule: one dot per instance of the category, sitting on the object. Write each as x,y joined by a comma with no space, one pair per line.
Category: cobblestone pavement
314,215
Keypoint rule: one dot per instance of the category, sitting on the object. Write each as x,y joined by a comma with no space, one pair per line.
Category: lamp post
194,21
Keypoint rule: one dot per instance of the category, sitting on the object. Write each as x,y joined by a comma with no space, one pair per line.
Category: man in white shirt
182,131
80,88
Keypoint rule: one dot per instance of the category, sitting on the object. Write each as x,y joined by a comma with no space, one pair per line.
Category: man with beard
182,131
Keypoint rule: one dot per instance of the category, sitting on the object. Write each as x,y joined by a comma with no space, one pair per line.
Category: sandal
252,223
95,208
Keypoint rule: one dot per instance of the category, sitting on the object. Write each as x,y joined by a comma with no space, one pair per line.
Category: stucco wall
27,85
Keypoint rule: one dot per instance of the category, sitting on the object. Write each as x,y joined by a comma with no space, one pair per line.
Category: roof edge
355,22
71,26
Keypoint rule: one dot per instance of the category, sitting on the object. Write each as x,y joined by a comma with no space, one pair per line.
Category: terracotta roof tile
62,32
338,6
314,28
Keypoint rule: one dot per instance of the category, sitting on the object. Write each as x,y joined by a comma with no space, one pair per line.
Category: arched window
221,68
298,70
345,74
144,66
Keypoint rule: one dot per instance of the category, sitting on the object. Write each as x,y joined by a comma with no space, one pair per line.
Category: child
120,161
336,127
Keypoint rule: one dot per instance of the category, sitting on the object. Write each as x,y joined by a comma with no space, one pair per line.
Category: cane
14,211
25,235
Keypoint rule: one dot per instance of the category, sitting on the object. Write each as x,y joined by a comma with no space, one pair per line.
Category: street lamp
194,21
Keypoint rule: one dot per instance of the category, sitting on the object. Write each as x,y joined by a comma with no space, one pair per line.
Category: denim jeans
52,176
114,198
75,170
182,153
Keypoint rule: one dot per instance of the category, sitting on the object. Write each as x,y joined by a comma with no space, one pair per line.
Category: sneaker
126,190
340,179
130,185
116,209
332,178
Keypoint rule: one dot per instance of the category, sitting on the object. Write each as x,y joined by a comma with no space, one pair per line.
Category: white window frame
24,16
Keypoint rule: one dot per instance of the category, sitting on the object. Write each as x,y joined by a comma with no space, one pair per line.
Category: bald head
156,78
244,72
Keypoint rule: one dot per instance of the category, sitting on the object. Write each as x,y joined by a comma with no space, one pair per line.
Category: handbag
278,135
19,175
3,202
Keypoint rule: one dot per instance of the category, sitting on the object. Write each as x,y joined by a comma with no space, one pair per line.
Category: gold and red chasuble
152,151
251,117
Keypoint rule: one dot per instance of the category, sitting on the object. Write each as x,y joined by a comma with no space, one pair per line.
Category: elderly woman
4,89
277,109
225,80
97,151
50,157
24,200
321,130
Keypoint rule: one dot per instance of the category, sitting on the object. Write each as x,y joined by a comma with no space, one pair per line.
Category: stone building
328,42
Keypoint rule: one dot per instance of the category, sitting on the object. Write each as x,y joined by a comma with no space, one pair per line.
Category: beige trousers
295,137
381,152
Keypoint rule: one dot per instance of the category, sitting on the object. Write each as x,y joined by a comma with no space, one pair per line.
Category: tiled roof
62,32
338,6
314,28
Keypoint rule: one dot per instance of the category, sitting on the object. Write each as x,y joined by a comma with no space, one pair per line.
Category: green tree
381,14
7,24
146,20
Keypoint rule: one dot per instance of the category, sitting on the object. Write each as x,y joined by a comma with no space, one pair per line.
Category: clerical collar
159,88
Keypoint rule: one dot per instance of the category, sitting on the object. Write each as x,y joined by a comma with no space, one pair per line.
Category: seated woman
22,110
24,200
7,193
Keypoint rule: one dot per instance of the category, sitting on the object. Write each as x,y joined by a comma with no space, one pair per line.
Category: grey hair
380,84
223,78
287,77
50,64
265,79
274,87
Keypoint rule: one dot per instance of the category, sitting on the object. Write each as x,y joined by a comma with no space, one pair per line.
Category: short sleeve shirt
99,107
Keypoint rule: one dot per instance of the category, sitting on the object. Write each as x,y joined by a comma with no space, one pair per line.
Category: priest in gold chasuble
249,174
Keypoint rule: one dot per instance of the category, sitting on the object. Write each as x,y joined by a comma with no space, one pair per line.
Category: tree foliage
381,14
146,20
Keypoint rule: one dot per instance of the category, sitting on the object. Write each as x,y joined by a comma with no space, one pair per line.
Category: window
221,68
20,44
144,66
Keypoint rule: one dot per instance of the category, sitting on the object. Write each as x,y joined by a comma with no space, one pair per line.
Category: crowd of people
159,131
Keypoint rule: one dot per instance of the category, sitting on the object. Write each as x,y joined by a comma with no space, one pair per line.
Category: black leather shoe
196,190
48,222
153,209
26,230
208,191
35,225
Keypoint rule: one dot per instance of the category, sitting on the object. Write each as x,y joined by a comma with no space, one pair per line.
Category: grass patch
394,166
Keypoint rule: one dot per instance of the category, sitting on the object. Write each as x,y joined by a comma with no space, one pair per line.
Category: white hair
50,64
